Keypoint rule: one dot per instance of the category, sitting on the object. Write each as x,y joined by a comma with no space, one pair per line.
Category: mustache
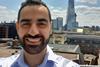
35,36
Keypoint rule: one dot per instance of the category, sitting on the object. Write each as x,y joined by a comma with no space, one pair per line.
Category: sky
88,11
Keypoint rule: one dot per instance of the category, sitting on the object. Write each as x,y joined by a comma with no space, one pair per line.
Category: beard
36,48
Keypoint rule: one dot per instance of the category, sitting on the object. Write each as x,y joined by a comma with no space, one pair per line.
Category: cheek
21,33
45,33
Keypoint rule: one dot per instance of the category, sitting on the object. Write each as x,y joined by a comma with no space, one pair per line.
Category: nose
33,30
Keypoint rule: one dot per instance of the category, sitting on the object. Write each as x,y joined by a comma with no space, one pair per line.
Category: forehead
34,10
33,7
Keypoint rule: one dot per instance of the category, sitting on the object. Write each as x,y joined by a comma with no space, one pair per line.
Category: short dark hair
32,2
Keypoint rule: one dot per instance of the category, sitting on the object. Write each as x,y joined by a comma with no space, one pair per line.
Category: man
34,29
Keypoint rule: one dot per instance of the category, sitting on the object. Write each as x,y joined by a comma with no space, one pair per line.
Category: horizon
88,11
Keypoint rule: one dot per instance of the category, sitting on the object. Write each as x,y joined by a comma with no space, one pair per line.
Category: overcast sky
88,11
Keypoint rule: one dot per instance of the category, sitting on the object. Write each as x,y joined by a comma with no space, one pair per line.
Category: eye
42,23
25,23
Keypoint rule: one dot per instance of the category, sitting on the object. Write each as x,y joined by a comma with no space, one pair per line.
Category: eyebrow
42,19
25,20
39,20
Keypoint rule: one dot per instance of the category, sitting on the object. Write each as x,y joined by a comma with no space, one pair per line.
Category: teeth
34,40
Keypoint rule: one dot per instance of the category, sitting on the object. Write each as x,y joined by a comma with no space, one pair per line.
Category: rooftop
86,37
65,48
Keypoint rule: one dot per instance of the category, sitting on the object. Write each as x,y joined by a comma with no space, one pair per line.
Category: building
60,23
71,52
8,30
3,31
71,17
57,23
54,24
58,37
89,44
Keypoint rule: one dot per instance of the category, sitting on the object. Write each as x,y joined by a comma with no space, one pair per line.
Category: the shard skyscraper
71,17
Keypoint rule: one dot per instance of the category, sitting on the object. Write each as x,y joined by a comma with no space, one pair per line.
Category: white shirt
50,60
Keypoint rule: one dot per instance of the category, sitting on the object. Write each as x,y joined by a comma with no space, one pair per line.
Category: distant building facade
57,24
8,30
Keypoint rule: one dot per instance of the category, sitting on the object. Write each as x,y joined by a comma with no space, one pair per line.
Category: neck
34,60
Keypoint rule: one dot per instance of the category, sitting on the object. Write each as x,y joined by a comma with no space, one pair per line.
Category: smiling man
34,29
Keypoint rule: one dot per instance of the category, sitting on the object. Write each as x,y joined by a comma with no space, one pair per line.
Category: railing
89,65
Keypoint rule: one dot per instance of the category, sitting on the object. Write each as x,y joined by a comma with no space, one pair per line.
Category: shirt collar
50,56
20,60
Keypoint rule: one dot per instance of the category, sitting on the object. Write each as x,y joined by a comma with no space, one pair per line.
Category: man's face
34,28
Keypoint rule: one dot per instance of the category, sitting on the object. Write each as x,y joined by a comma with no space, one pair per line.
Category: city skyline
88,11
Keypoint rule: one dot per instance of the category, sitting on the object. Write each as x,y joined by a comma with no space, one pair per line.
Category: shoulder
70,64
63,62
8,60
60,61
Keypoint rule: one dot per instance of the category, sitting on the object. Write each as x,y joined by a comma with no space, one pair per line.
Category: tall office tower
71,17
54,24
57,23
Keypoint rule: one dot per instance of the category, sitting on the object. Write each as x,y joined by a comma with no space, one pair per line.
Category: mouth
33,41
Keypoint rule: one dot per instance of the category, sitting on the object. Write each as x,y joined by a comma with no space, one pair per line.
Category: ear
17,26
51,29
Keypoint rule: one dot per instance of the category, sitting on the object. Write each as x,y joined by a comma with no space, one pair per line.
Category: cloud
89,1
85,15
88,10
58,12
7,14
88,15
